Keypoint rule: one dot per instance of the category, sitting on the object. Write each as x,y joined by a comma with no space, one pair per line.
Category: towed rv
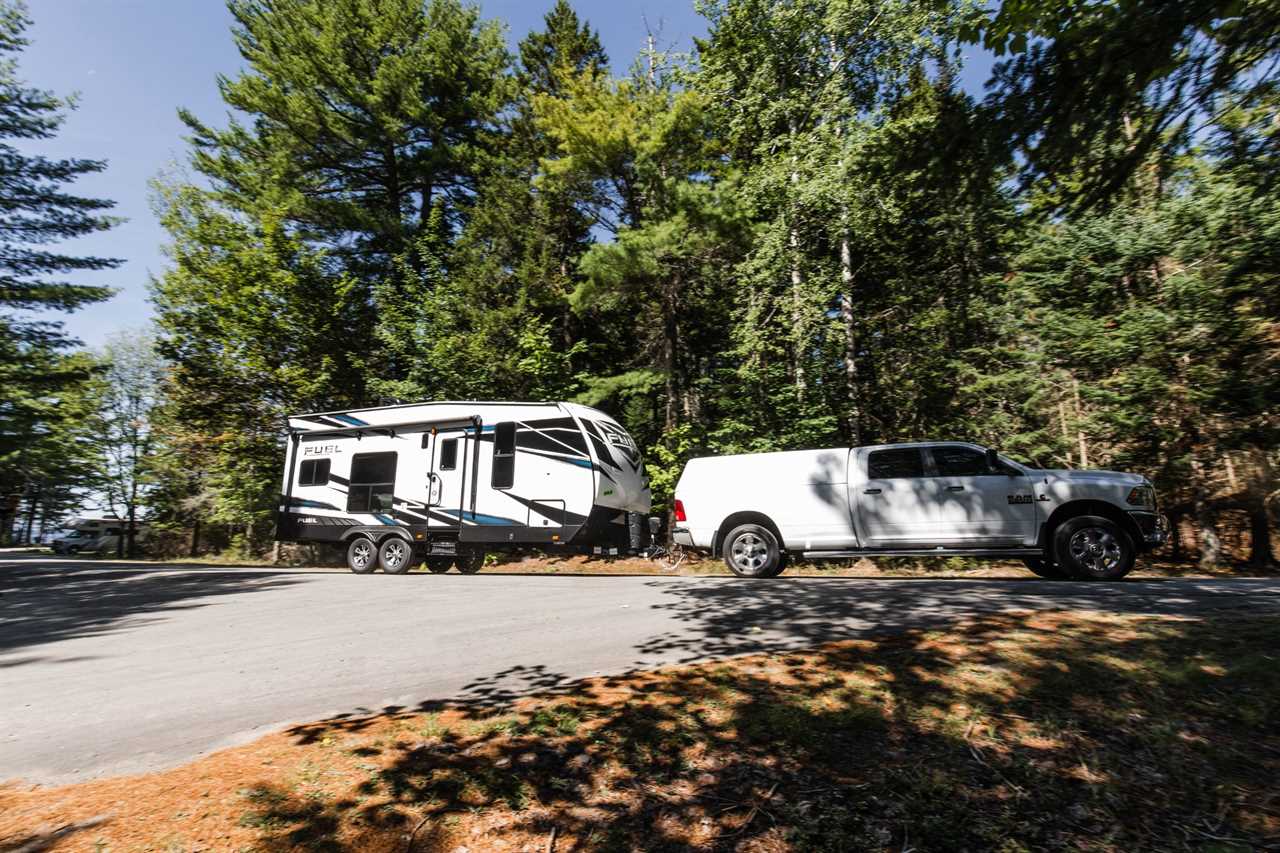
444,483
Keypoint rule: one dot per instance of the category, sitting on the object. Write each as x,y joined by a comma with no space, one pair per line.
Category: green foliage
42,388
802,235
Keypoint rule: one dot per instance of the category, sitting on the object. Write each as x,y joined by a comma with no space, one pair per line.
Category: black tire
469,562
1044,568
362,556
752,551
395,556
438,565
1092,548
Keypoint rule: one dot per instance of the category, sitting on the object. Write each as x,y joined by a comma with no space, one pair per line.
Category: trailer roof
430,403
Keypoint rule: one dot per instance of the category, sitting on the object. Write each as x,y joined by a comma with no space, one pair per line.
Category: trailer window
504,455
373,481
449,454
895,464
314,472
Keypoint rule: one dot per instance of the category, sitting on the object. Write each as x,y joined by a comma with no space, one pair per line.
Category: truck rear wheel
439,565
752,551
1092,548
395,555
361,556
469,562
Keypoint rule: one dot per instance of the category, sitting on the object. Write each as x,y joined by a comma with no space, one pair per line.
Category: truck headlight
1142,496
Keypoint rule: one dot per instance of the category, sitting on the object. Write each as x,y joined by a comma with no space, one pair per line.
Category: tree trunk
1260,479
797,282
1259,534
850,342
1210,541
195,539
1084,450
32,503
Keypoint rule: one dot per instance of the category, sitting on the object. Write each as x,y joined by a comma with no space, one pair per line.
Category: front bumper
1153,525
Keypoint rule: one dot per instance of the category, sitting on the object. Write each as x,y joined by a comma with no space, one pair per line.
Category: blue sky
134,62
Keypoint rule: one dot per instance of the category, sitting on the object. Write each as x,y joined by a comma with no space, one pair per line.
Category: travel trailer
95,535
444,483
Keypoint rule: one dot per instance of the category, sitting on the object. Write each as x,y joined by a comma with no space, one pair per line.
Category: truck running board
1012,553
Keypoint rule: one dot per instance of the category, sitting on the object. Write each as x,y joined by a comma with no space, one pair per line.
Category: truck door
894,509
977,506
447,476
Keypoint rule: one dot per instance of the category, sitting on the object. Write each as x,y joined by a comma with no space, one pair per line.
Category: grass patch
1015,732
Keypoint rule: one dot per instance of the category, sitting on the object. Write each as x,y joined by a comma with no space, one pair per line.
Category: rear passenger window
895,464
959,462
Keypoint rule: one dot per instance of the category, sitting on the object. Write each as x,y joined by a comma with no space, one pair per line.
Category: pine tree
36,210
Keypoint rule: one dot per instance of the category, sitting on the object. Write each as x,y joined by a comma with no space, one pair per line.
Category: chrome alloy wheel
361,554
1096,549
394,554
750,553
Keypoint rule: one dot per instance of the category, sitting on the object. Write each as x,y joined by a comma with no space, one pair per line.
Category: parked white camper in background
922,499
446,482
96,535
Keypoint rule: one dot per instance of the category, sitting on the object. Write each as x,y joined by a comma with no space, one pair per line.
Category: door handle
871,491
955,488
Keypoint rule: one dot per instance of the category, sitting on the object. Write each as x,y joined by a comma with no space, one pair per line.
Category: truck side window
449,454
504,455
960,462
895,464
314,472
373,482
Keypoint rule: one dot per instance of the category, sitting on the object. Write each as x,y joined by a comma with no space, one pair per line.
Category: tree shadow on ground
41,604
733,618
1011,731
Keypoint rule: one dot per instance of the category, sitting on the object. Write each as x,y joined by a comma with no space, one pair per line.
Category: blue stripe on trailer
481,518
347,419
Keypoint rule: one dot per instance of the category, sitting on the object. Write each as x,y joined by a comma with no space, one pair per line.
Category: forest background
802,233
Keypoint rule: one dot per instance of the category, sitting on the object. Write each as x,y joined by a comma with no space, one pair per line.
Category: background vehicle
445,482
95,536
920,499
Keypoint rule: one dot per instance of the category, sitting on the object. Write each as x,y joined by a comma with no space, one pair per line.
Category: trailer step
1012,553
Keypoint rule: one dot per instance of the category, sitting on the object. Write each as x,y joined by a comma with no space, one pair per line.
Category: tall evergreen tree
36,211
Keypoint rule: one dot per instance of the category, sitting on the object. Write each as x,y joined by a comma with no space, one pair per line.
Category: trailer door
448,475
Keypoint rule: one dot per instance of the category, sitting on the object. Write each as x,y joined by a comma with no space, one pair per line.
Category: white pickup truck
927,499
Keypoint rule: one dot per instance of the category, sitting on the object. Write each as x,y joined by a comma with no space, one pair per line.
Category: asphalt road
121,669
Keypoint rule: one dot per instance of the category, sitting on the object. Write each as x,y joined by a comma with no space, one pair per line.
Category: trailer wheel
361,556
395,555
469,562
1045,568
439,565
751,551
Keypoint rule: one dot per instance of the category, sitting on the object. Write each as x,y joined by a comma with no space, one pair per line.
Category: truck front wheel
1092,548
752,551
